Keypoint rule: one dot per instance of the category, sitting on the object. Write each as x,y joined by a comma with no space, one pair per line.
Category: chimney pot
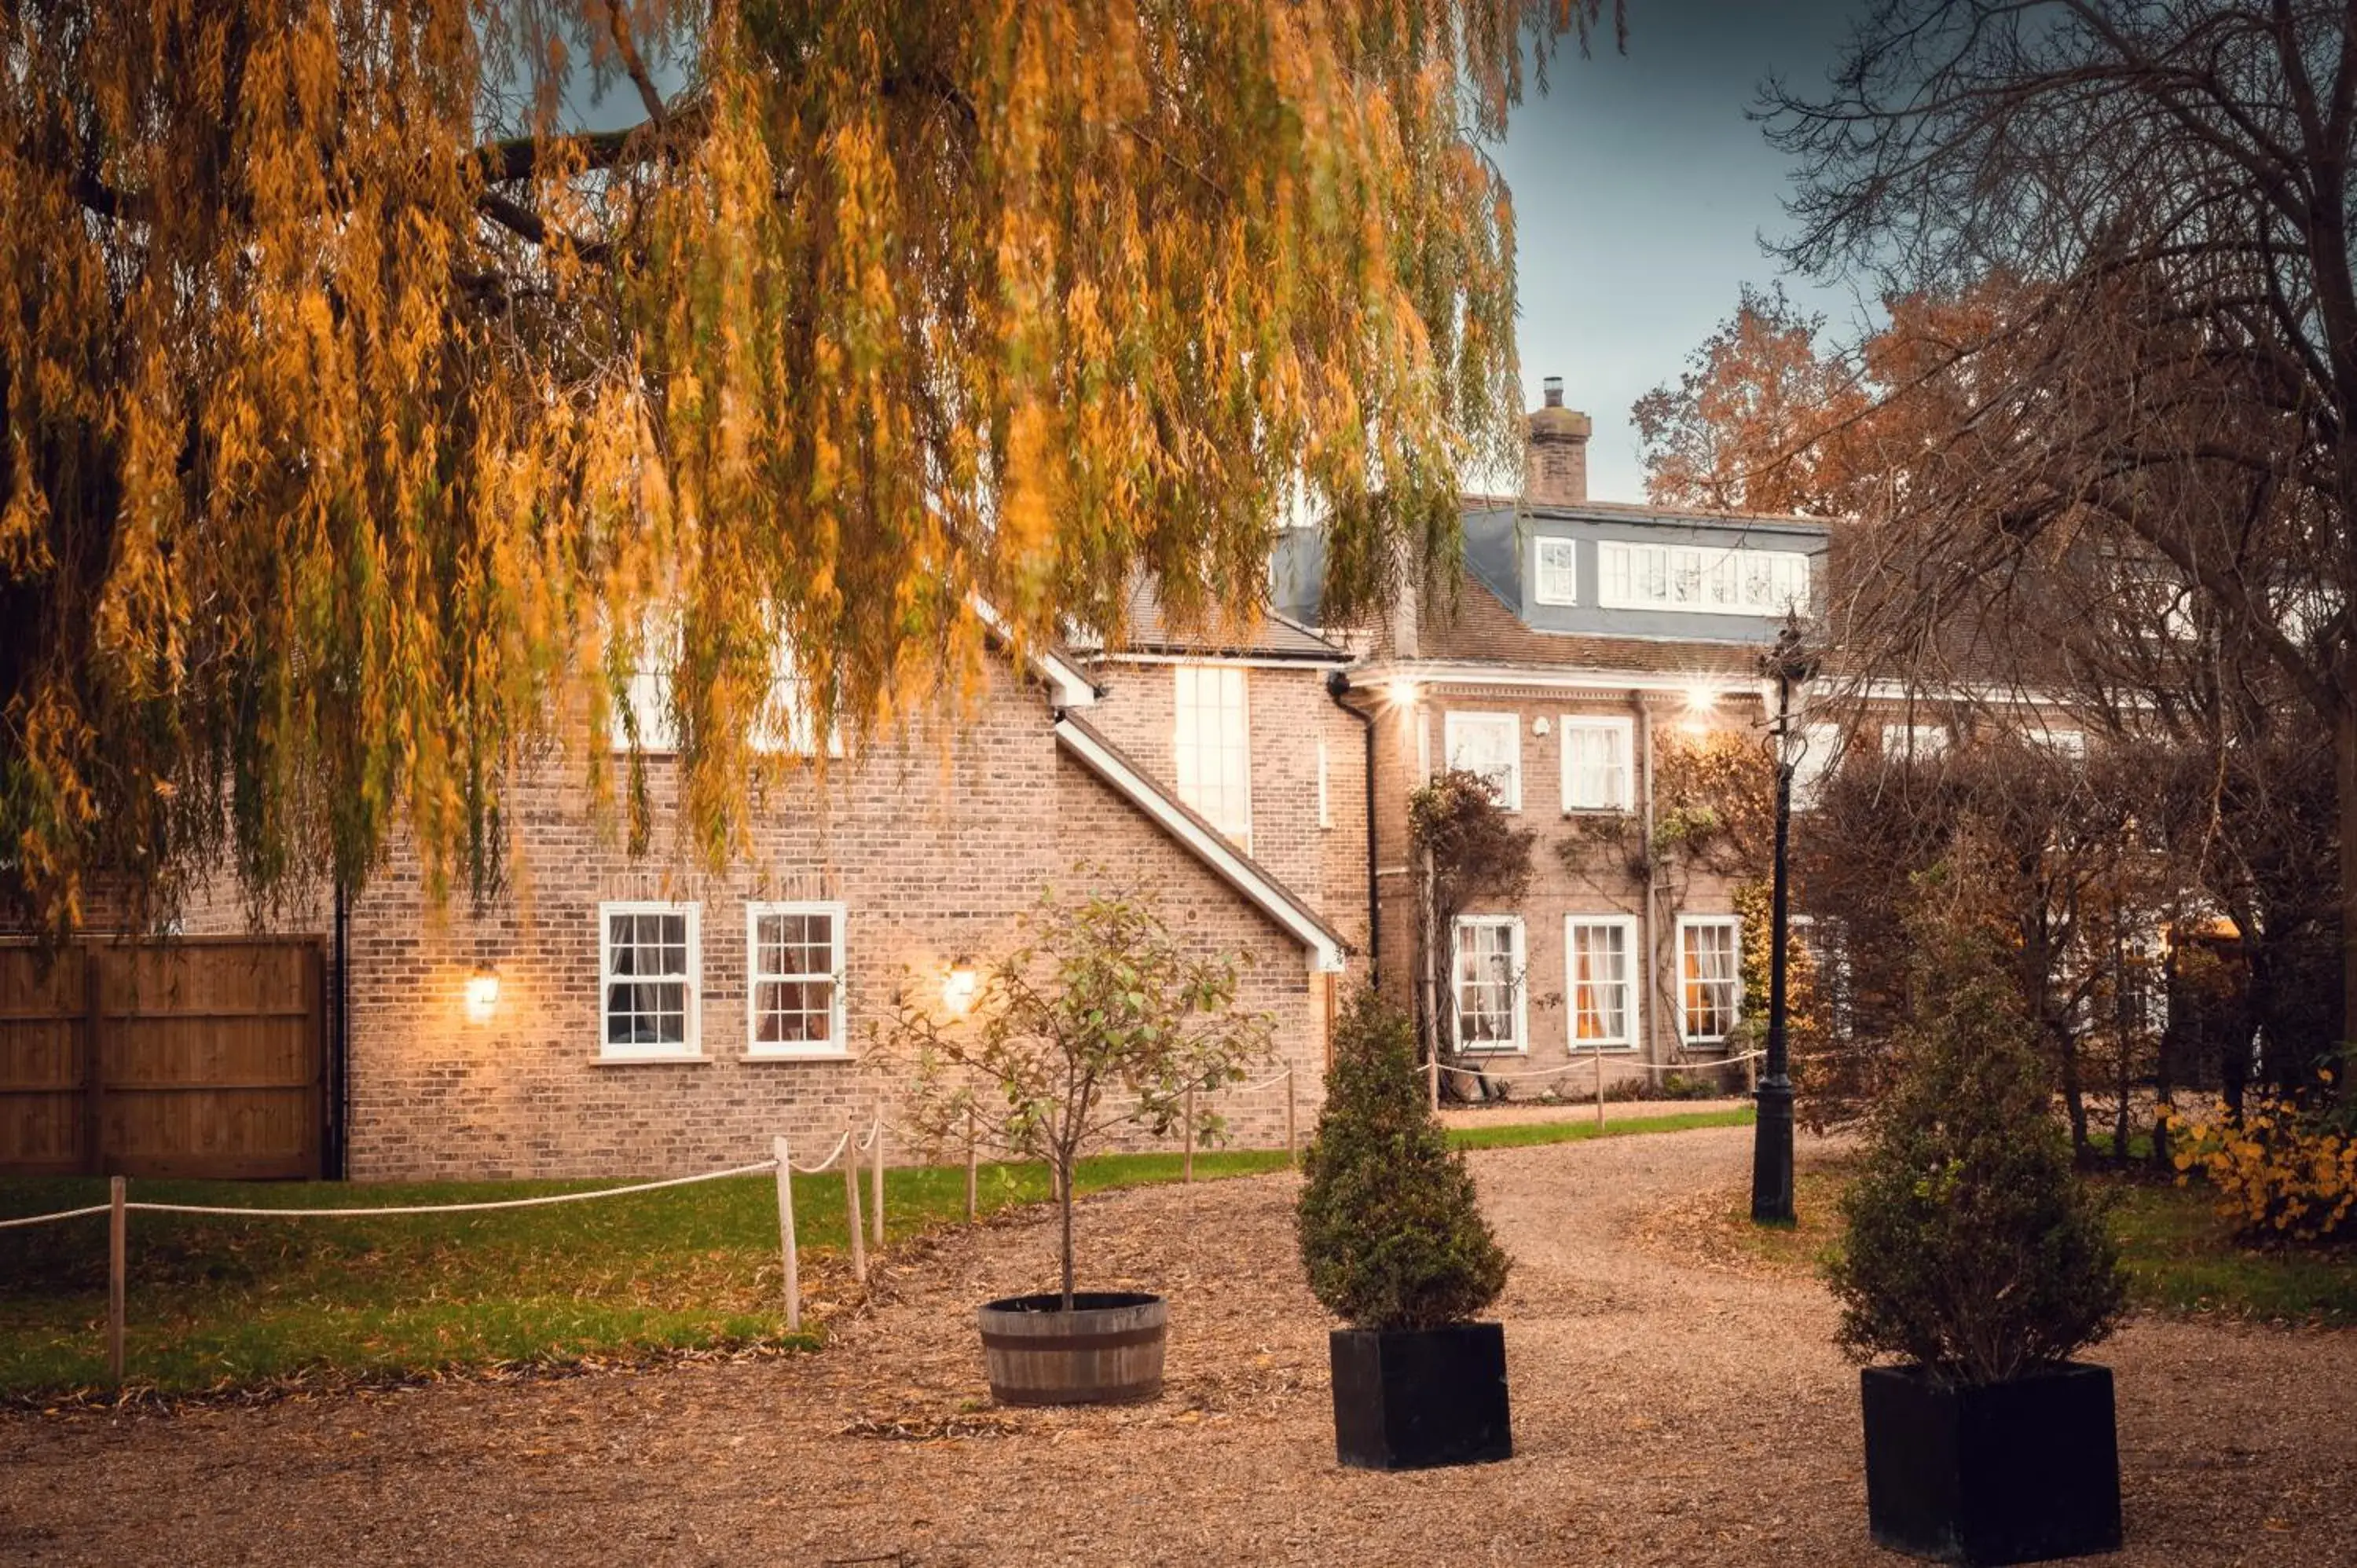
1553,391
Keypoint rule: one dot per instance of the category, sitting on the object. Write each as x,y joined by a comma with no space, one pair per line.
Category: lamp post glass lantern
1771,1137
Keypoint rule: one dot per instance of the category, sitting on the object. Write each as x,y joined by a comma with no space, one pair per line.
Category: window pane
1212,747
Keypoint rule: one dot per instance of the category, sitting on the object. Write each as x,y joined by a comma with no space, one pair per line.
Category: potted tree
1976,1258
1396,1245
1097,1019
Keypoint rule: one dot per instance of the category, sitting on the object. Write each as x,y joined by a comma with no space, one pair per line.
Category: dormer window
1704,578
1555,572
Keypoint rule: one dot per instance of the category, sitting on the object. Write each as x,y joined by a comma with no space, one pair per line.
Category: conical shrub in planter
1976,1257
1395,1241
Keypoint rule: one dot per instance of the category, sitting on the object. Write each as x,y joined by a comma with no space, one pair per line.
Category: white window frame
1702,579
1234,819
1734,924
786,727
646,695
1518,955
1452,724
1567,549
1915,743
1813,762
1631,984
691,1046
838,1043
1619,725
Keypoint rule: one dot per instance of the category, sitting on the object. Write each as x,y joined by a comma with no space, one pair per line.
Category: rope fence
856,1147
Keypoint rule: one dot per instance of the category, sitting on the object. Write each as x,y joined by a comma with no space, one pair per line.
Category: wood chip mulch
1666,1412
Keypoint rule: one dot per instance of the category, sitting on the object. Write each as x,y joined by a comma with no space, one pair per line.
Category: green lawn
219,1303
2181,1256
1516,1135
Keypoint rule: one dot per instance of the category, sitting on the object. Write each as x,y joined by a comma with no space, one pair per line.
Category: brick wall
933,847
1288,716
1596,881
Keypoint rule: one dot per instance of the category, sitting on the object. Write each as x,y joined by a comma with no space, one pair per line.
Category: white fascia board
1245,660
1442,674
1325,953
1073,688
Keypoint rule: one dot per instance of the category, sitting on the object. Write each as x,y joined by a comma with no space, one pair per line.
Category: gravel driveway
1665,1412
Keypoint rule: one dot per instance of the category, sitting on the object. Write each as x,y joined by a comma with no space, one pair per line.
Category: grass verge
217,1304
1523,1134
2182,1256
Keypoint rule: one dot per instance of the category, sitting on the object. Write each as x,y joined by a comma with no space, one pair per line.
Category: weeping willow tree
365,404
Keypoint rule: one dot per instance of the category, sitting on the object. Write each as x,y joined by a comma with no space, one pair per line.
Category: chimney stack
1556,473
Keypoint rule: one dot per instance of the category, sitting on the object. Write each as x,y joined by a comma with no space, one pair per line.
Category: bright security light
1401,692
482,991
959,986
1701,700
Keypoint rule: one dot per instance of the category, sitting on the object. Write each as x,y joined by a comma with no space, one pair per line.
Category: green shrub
1973,1248
1391,1230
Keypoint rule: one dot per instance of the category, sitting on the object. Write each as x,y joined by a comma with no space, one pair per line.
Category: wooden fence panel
192,1059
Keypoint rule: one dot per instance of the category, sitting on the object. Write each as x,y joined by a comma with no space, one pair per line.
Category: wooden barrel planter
1106,1350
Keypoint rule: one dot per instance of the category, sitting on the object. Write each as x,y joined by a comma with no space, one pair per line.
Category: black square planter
1406,1398
2015,1471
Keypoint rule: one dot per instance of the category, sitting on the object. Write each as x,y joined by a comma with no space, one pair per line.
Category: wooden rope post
1187,1131
117,1223
851,1206
1292,1147
875,1187
973,1145
1598,1053
1432,1091
786,1234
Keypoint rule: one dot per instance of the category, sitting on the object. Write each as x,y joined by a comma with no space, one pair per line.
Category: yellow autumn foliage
2280,1172
363,412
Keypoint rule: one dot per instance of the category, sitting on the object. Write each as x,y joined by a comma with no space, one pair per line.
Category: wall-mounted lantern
482,991
960,986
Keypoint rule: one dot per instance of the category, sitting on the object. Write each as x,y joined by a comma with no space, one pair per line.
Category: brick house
1584,638
649,1016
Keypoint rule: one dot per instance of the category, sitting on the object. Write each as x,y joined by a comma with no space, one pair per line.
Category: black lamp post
1771,1138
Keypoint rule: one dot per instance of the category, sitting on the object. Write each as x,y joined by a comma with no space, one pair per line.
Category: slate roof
1276,636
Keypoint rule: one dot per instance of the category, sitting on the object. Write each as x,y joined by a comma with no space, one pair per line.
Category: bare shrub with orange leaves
2284,1171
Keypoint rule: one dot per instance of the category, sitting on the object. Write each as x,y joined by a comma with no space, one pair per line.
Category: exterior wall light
1701,700
482,991
959,987
1401,694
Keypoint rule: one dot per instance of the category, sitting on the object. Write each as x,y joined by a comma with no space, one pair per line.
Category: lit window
1556,576
1488,982
794,970
1598,964
647,978
1597,776
1213,747
1710,977
1492,746
1712,579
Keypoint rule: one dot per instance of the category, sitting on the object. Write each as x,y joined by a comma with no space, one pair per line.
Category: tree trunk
1064,1206
2345,748
2074,1097
2124,1028
1428,958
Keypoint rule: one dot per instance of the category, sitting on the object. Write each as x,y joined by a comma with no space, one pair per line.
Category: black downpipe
339,1077
1338,685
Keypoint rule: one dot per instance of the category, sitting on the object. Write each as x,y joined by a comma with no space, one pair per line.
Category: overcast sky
1640,192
